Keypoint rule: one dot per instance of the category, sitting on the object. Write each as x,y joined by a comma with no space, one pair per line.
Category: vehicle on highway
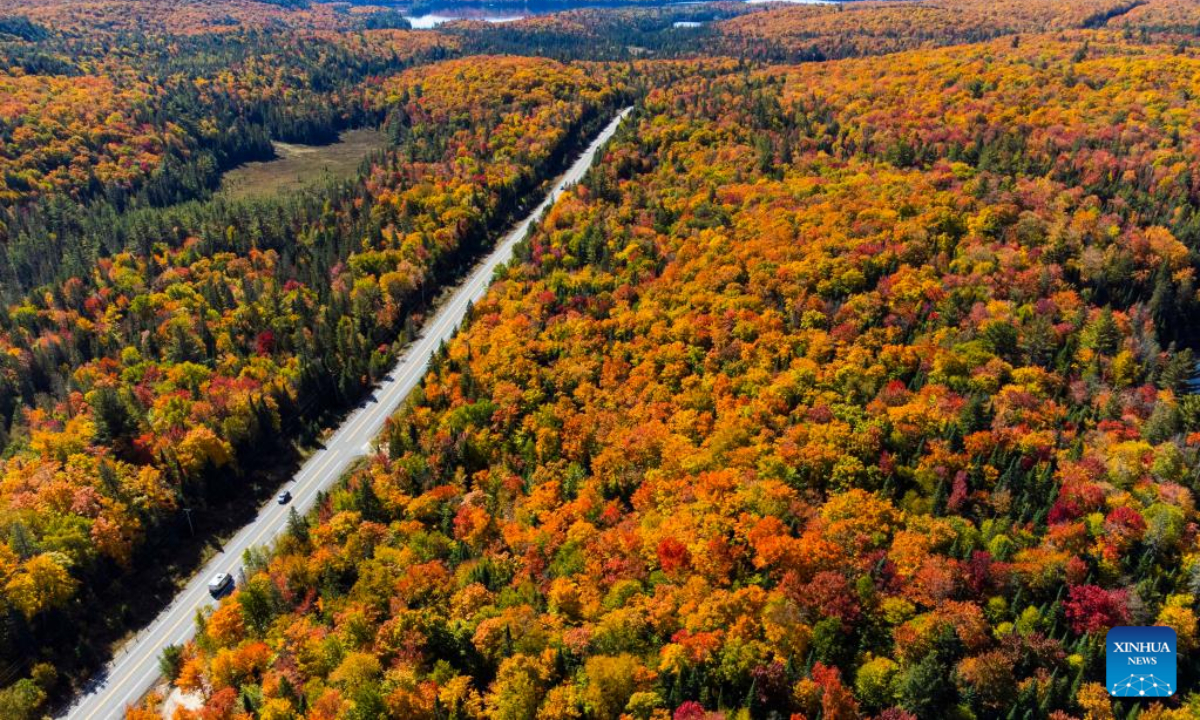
220,584
285,497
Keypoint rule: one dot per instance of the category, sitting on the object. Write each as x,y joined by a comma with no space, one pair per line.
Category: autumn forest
856,378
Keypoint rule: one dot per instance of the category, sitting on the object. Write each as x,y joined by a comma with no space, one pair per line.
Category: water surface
431,16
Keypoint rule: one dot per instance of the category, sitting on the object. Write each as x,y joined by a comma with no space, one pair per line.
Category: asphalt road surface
134,670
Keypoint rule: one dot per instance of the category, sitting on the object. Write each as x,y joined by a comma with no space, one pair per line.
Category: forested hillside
855,380
152,372
175,337
95,136
870,28
179,17
835,390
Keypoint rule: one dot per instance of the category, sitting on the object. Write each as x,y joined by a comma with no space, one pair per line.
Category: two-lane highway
135,668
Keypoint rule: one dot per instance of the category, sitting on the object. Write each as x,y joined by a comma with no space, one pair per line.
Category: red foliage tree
1091,608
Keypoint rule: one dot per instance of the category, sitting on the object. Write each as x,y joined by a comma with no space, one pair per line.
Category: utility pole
188,512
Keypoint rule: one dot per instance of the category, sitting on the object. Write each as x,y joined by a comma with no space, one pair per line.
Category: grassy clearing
301,165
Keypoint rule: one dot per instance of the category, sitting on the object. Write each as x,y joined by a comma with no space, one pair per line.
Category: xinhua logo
1140,661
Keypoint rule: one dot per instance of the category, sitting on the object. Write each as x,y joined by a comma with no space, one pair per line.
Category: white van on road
220,583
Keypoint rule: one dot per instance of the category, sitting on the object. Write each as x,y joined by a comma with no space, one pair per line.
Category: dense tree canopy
869,28
851,388
182,17
129,391
834,390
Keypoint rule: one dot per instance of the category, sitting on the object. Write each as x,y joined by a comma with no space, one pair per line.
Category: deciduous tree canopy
852,388
833,391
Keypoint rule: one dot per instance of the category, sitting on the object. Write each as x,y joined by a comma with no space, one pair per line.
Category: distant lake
431,16
431,20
